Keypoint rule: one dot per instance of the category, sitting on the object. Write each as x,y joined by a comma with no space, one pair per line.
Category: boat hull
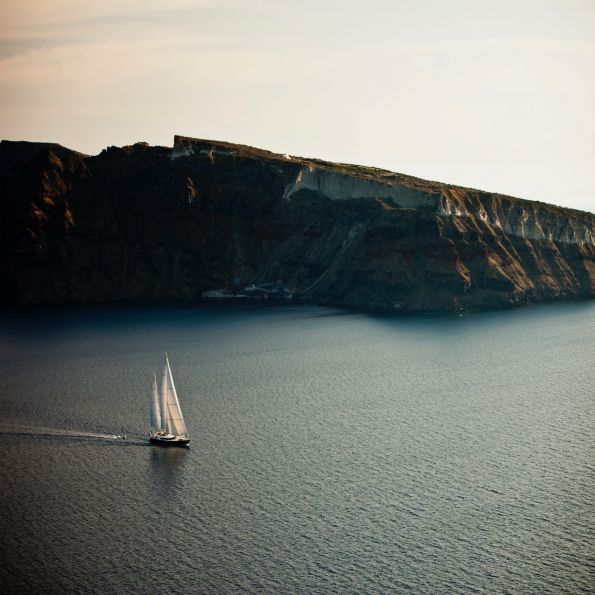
169,441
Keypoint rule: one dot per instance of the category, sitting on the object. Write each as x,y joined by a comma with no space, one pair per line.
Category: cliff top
11,151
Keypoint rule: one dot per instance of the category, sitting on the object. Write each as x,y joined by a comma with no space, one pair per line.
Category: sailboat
167,426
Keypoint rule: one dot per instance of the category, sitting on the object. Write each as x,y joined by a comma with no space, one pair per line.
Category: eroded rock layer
145,222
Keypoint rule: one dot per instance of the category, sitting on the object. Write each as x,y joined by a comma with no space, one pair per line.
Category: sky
496,95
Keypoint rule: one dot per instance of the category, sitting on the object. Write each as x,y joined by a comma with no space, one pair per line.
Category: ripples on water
331,452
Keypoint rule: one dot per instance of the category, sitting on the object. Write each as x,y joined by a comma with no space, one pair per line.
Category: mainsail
174,420
155,414
162,399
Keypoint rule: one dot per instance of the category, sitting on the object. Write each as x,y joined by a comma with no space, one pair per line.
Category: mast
175,419
163,400
155,414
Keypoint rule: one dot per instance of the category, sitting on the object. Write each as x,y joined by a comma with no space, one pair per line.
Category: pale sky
491,94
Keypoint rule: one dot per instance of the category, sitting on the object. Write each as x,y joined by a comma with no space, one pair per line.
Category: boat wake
41,432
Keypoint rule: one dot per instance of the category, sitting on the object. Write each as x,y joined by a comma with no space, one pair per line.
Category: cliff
144,222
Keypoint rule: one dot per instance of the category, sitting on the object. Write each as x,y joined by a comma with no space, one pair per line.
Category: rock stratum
167,223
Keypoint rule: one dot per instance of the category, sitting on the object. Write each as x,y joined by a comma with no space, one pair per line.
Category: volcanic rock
160,223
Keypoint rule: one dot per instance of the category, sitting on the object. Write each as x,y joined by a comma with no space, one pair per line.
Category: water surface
331,451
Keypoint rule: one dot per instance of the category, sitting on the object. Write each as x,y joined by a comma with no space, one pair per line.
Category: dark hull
175,442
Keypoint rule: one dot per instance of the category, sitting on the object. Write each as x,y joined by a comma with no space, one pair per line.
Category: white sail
155,414
163,396
174,419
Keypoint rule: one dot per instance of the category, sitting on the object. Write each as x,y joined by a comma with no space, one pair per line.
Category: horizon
497,98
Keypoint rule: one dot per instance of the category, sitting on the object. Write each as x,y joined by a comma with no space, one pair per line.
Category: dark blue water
331,451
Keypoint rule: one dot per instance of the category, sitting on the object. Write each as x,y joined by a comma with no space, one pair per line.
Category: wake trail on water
42,432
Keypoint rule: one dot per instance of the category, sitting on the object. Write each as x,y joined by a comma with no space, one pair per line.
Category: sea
332,451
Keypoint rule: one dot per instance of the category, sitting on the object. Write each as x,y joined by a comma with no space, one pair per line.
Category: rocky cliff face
146,222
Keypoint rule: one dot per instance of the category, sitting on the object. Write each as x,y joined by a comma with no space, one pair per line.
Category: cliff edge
155,223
